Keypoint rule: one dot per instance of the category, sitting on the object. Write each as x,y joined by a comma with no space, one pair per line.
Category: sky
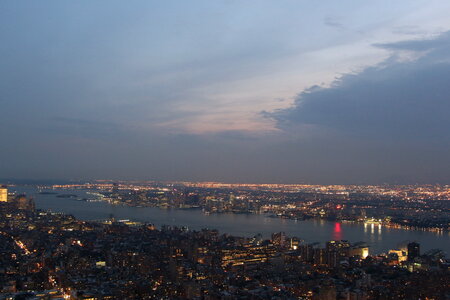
328,92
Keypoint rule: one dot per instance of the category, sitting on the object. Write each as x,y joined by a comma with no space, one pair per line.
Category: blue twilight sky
254,91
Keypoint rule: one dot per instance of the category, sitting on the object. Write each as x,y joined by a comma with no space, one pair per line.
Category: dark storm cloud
393,101
388,123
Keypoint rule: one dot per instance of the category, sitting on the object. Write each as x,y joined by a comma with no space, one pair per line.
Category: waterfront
380,239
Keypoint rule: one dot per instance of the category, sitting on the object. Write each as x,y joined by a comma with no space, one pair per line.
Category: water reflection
337,232
373,232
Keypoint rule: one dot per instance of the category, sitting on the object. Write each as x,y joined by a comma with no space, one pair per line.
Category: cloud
83,128
387,123
436,43
395,100
334,22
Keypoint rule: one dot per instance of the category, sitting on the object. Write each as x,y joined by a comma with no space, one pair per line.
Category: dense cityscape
222,150
49,255
423,207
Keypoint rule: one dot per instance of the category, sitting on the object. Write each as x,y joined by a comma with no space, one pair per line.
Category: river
380,239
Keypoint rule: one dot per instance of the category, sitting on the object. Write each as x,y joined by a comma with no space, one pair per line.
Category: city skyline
330,93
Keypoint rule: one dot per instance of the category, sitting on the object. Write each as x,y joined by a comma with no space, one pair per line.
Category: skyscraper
413,251
3,194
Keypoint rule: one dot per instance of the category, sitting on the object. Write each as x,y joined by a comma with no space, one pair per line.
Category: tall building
3,194
401,255
413,251
336,251
360,250
279,239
